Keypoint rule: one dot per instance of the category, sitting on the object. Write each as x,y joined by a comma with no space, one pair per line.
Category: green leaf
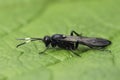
37,18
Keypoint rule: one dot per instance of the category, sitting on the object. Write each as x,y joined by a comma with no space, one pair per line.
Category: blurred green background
37,18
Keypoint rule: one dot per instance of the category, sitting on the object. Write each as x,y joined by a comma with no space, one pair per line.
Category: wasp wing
88,41
95,42
70,39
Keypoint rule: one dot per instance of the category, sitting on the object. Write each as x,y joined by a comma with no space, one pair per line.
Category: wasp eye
47,40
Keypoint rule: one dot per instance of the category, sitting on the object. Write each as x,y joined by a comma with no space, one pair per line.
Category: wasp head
47,40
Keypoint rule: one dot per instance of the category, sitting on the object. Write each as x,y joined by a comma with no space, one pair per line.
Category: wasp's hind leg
73,32
75,47
75,53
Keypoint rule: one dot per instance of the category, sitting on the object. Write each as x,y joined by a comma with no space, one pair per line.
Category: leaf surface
37,18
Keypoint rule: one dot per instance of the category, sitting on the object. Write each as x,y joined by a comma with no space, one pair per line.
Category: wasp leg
44,51
75,33
75,53
76,45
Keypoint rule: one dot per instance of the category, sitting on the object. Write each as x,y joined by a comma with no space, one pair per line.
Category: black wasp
69,42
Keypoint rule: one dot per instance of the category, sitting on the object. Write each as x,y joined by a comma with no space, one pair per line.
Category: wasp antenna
24,39
24,43
35,38
27,40
20,44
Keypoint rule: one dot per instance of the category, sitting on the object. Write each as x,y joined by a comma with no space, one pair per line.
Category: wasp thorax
57,36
